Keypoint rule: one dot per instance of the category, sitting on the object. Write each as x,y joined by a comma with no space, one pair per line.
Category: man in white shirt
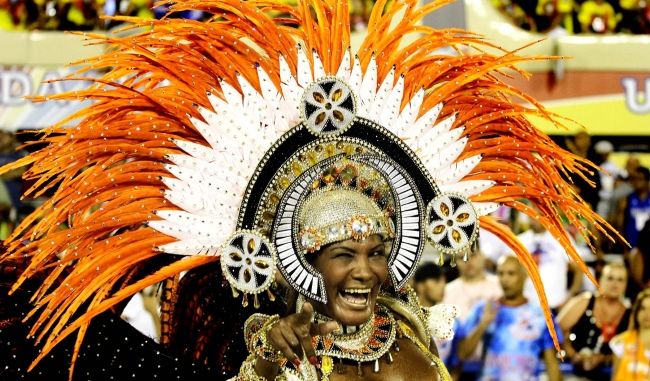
554,266
473,285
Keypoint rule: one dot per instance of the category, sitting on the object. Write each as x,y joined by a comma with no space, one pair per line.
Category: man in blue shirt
513,331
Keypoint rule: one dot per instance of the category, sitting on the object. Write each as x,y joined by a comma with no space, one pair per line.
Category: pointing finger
323,329
305,315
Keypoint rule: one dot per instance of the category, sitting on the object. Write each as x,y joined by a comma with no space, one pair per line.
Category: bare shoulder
579,302
573,309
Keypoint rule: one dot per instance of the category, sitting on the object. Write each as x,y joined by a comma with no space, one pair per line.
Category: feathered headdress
170,156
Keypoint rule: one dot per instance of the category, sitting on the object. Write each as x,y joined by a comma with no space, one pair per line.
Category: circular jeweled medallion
452,223
248,262
328,107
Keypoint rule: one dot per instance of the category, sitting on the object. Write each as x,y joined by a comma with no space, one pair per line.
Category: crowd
76,15
86,15
605,333
579,16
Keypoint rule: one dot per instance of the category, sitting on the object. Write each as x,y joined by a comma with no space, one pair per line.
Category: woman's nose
361,270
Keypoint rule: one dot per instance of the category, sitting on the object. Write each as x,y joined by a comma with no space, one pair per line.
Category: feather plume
187,102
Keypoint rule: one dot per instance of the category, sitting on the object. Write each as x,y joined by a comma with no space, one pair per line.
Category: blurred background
603,88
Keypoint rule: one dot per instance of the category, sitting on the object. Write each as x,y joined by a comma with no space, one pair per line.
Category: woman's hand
589,361
292,335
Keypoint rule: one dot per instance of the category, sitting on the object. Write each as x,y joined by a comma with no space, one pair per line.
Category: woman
363,326
227,156
590,320
632,347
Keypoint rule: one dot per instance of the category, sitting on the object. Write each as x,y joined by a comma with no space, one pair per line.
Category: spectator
609,172
622,189
429,283
77,15
516,12
632,348
590,320
473,285
513,332
492,246
559,13
631,16
640,259
580,145
634,210
12,15
554,266
597,16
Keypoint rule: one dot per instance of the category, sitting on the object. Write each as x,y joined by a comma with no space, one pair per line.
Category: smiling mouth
356,296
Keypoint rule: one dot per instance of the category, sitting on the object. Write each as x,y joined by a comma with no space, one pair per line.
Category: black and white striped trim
409,211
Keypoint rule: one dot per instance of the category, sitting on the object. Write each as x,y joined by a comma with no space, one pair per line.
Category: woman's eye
343,255
378,254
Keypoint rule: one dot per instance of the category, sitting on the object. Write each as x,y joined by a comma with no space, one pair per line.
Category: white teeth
357,290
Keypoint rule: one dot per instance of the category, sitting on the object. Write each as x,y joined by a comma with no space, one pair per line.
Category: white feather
345,67
291,90
485,208
409,113
181,195
189,247
304,68
426,121
457,171
467,187
381,96
441,319
206,131
368,88
230,94
185,226
209,182
269,91
432,144
319,71
391,106
199,151
355,77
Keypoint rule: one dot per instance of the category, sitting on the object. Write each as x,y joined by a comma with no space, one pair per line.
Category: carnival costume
237,147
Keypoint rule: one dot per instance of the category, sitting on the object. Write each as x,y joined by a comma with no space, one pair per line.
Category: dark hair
645,172
634,321
428,270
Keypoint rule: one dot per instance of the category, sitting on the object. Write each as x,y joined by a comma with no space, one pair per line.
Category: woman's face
353,271
613,281
643,315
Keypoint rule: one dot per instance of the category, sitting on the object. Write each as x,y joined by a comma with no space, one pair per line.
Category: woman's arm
292,337
467,346
636,266
568,317
552,366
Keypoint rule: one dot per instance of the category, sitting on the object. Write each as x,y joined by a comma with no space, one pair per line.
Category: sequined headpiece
205,138
337,214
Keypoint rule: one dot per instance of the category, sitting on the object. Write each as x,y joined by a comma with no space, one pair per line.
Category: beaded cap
336,214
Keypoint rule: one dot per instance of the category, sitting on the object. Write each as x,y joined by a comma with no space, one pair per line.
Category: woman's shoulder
574,309
427,322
